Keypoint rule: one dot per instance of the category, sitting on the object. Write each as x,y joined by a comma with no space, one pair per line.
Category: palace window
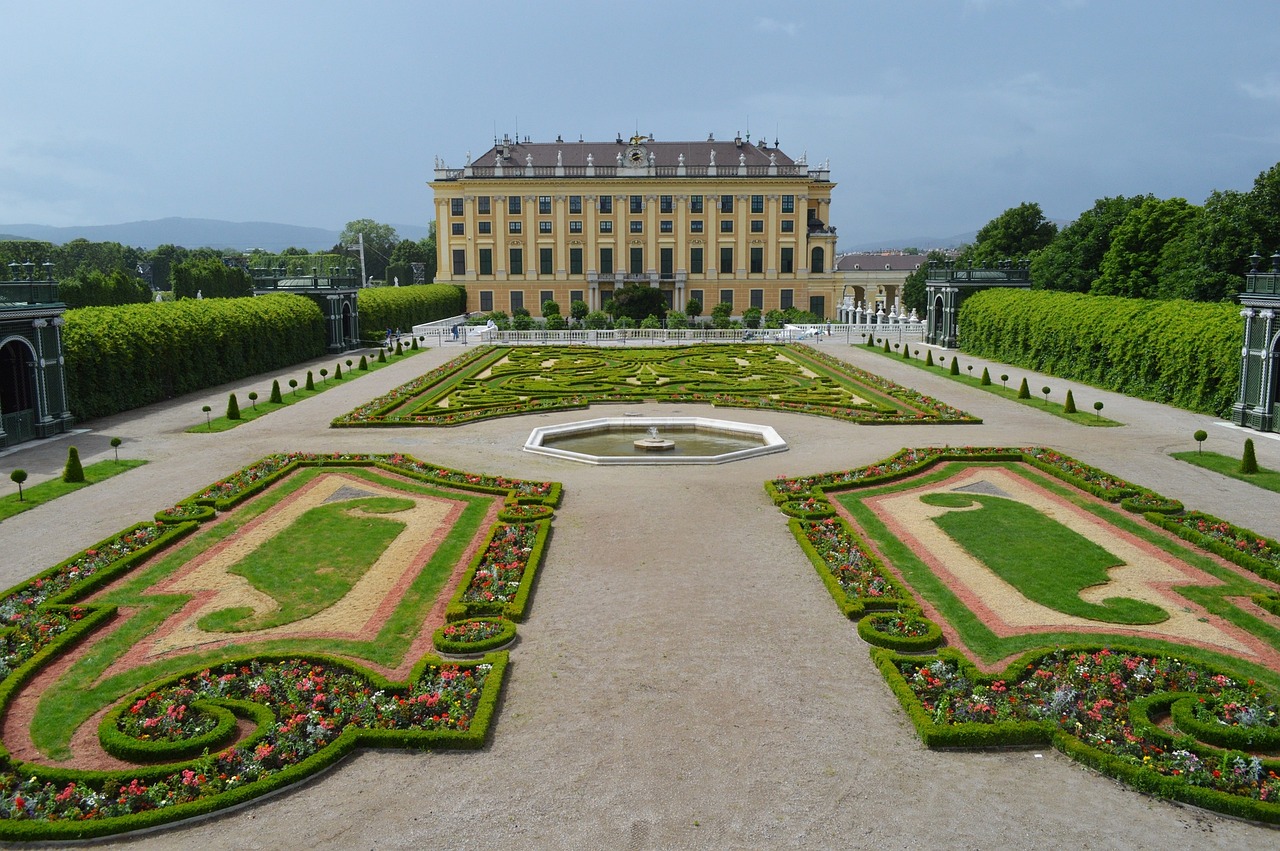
726,203
726,260
757,260
786,298
484,227
637,225
696,295
664,203
576,295
726,225
545,296
575,226
637,203
695,226
517,300
665,226
455,206
606,261
757,299
637,260
513,205
575,261
757,225
606,203
788,203
514,227
726,297
788,225
482,205
606,227
486,301
695,262
788,264
757,203
459,261
486,261
517,261
456,228
545,262
575,205
544,226
544,204
695,203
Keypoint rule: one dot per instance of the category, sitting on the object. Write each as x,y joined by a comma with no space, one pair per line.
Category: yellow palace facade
716,221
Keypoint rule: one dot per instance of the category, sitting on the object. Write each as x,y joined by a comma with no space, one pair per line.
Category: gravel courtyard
684,680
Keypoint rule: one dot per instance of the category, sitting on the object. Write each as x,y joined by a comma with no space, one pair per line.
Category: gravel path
684,679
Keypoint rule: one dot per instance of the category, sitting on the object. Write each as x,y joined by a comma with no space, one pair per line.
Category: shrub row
403,307
124,357
1177,352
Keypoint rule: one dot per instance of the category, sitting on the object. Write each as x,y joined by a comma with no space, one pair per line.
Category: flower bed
307,711
473,636
522,513
316,709
1091,703
905,632
501,575
1081,699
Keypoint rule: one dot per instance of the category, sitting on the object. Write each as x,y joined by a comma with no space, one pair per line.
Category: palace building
716,221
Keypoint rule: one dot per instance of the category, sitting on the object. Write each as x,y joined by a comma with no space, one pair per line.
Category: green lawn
54,488
1229,466
251,410
1085,414
1047,562
313,563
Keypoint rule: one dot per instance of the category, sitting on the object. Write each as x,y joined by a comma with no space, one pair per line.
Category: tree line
1136,246
100,274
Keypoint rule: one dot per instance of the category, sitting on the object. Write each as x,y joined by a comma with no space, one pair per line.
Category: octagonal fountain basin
654,440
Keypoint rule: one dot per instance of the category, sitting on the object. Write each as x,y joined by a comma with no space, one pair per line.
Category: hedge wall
1181,353
403,307
118,358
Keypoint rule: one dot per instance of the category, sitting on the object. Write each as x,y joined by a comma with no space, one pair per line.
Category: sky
935,115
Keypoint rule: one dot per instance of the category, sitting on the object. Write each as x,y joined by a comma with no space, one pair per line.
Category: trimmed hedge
405,306
119,358
1176,352
444,644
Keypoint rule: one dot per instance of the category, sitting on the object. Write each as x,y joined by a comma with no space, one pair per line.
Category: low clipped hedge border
1247,549
126,747
869,631
1259,738
253,479
514,609
522,513
443,643
414,403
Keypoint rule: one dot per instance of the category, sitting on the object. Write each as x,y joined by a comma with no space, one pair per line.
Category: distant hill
924,243
197,233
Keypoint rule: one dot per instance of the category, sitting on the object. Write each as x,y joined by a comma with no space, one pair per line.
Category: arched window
816,266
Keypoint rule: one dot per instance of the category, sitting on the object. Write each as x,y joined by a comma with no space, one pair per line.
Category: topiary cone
955,366
311,382
986,377
928,358
275,392
337,373
1024,392
73,472
382,355
233,408
364,364
1249,462
1069,406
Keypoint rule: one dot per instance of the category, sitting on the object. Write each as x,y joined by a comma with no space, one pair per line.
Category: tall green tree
638,301
1129,266
1015,234
379,242
1073,260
